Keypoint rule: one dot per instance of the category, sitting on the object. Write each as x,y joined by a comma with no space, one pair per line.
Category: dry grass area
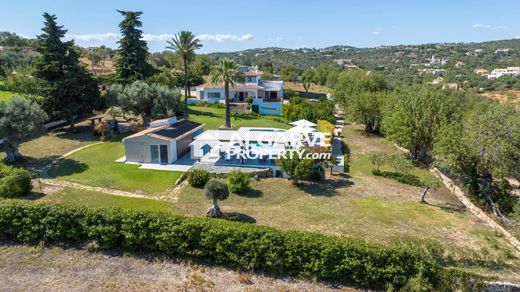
506,96
375,208
76,269
298,86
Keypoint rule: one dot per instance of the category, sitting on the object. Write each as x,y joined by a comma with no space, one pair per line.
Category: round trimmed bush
238,181
14,182
198,178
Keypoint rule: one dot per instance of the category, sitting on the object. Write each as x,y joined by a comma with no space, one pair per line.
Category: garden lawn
97,199
95,166
6,95
214,117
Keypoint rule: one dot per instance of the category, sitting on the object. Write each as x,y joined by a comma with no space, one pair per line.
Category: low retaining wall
457,191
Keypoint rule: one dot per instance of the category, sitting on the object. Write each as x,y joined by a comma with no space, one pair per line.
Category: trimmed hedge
238,245
14,182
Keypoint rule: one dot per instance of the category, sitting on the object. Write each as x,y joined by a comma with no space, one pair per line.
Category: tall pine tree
68,88
133,53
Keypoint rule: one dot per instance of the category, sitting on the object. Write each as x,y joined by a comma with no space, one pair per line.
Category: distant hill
472,55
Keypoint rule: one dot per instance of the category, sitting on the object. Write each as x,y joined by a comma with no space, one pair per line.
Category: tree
226,71
416,118
184,44
215,190
308,78
295,165
146,100
331,163
68,90
19,120
22,81
362,96
484,146
289,73
132,54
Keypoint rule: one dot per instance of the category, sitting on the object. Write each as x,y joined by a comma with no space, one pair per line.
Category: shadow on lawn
251,193
327,187
65,167
239,217
195,112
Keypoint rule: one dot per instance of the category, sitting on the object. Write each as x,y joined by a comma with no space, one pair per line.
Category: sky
236,25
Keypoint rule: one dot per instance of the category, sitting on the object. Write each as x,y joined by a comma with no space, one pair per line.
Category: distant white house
267,95
499,72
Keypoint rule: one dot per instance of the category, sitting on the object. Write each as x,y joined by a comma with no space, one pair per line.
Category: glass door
154,153
164,153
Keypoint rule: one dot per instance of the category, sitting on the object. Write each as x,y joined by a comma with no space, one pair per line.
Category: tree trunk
423,194
12,153
214,210
71,125
226,98
185,87
331,168
145,119
484,185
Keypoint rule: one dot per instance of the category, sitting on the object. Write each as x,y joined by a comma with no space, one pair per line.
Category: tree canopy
68,90
416,117
19,120
132,54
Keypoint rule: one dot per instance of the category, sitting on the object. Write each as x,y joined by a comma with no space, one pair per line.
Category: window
213,94
159,153
251,79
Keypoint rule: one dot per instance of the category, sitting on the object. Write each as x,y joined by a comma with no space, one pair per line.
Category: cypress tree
68,88
133,53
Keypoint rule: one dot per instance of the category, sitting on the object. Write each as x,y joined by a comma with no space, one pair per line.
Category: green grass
95,166
6,95
96,199
214,117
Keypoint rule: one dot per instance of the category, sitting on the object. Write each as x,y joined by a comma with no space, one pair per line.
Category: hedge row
14,182
237,245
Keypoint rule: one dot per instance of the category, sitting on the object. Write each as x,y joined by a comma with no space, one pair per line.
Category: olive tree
215,190
19,120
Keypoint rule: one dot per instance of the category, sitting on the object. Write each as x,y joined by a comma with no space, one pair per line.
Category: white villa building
250,147
497,73
267,95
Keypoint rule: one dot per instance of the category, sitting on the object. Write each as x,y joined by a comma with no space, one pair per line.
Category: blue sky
236,25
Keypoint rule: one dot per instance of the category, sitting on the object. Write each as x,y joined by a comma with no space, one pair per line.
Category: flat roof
169,132
178,129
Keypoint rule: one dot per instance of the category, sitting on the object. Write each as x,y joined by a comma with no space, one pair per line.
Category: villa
162,143
267,95
180,145
251,147
499,72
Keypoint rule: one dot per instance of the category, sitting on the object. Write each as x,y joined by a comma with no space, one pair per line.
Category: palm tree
225,71
185,43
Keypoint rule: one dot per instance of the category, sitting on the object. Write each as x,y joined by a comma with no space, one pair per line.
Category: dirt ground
29,268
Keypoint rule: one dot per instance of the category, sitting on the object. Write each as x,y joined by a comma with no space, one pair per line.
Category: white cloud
112,36
517,37
480,25
224,37
376,32
94,37
278,39
157,37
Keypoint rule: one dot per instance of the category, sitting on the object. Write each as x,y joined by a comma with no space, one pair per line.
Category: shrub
403,178
249,99
14,182
346,163
237,245
198,178
238,181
